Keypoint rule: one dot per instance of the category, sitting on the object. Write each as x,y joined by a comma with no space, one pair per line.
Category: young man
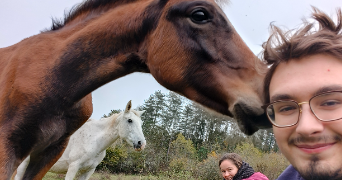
303,90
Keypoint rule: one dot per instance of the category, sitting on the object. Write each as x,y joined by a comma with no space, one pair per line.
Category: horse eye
130,120
199,16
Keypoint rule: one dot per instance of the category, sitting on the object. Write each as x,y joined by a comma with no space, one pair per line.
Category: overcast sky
20,19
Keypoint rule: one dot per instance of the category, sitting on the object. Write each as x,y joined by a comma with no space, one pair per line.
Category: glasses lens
327,106
283,113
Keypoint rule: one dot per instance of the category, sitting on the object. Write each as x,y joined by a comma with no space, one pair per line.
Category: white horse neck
104,131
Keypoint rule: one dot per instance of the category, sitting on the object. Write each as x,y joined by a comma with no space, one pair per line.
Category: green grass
107,176
104,176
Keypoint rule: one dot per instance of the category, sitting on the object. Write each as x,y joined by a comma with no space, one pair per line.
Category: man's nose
308,124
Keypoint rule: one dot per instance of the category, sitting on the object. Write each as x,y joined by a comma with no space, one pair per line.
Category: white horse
87,146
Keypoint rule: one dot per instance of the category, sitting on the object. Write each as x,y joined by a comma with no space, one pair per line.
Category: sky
20,19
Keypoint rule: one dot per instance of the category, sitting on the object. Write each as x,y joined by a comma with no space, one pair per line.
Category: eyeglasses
326,106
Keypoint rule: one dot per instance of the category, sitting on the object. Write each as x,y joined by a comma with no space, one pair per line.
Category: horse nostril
139,142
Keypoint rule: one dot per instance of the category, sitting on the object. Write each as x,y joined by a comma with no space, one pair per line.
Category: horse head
195,51
130,127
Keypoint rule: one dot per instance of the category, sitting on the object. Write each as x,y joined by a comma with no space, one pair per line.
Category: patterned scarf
244,172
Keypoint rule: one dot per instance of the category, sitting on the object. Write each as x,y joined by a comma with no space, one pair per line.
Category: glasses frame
300,109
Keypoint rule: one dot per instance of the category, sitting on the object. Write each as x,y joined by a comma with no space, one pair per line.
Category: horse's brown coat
46,79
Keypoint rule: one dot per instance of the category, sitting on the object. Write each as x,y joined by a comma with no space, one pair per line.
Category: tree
172,112
153,107
185,125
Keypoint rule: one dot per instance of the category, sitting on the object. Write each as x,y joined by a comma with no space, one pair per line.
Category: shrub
208,169
202,153
182,175
178,165
182,156
249,154
182,148
271,164
114,156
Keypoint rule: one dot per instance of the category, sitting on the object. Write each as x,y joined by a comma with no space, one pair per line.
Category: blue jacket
290,173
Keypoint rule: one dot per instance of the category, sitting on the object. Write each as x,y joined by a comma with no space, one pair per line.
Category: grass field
107,176
96,176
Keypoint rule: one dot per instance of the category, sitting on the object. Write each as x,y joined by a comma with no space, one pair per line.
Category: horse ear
128,106
141,112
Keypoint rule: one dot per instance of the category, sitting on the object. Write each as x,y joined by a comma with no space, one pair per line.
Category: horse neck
108,133
90,53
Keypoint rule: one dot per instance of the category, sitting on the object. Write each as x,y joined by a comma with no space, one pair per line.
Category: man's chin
315,170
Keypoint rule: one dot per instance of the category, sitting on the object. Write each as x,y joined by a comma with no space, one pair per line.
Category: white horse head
130,127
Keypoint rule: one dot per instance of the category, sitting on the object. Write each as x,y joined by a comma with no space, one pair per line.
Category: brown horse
189,46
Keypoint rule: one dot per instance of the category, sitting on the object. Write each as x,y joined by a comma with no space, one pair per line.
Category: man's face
313,147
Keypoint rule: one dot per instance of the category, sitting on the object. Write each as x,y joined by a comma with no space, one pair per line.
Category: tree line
175,114
179,130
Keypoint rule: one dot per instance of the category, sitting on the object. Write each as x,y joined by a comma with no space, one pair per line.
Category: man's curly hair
305,41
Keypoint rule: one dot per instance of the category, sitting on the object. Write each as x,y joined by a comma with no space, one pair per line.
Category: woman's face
228,169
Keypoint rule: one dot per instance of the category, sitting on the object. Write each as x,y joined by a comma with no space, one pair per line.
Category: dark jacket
290,173
246,172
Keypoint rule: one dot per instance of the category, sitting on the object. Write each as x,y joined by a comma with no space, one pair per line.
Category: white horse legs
22,168
86,175
72,171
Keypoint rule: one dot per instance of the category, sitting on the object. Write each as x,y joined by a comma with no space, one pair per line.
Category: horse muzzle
249,120
139,146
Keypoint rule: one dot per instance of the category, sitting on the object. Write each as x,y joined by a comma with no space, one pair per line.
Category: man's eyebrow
278,97
328,88
323,89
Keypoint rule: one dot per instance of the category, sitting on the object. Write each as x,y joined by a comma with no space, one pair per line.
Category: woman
233,168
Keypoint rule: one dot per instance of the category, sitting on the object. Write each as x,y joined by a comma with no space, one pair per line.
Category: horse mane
96,7
88,6
115,116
